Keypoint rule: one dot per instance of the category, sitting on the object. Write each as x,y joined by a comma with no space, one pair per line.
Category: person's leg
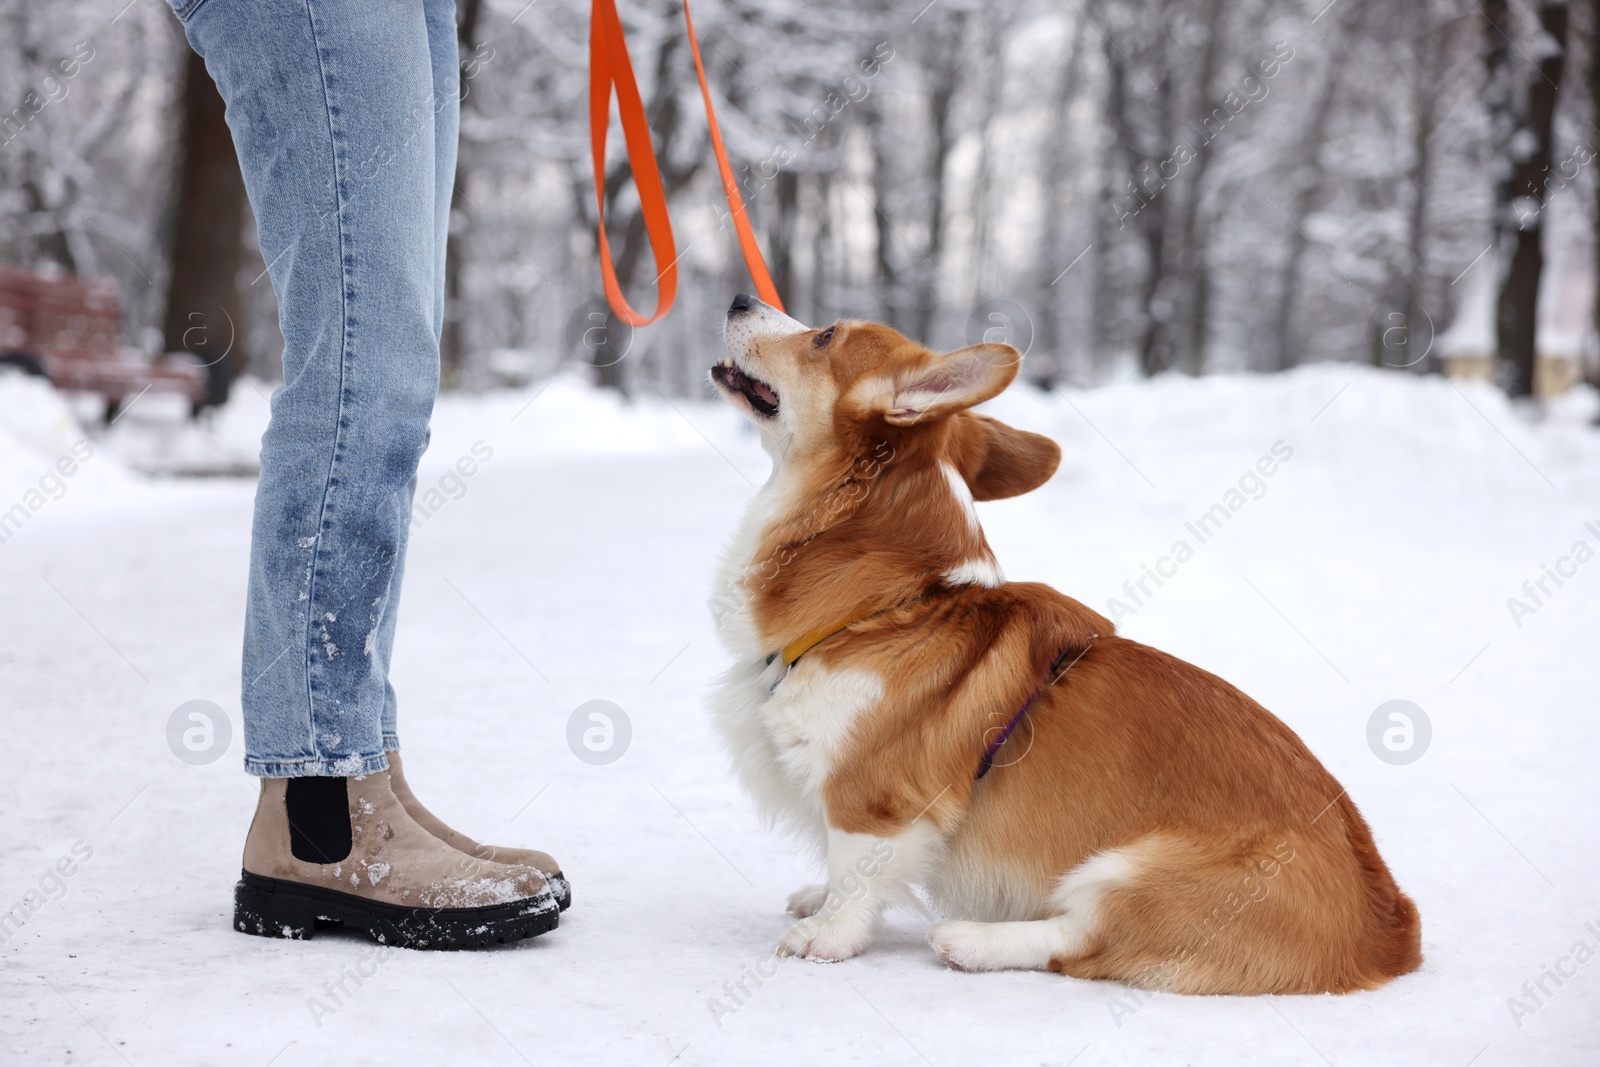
330,105
444,104
444,55
383,644
448,91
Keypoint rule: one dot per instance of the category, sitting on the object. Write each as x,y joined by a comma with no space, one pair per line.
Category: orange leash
610,68
741,221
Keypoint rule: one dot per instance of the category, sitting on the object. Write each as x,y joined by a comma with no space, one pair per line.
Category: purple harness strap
1051,676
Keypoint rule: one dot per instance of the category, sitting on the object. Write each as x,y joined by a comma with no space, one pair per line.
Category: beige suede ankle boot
374,867
542,862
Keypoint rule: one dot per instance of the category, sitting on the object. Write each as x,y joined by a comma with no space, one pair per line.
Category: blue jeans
345,115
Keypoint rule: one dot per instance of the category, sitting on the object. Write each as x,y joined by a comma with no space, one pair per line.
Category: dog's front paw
822,942
808,900
960,945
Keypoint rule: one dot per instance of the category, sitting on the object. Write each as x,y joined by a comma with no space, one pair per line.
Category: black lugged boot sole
272,907
561,889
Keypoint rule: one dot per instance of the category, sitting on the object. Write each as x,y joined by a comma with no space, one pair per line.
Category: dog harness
1051,677
805,643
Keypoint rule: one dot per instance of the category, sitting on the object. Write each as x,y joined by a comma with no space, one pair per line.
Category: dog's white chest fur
784,727
809,715
785,731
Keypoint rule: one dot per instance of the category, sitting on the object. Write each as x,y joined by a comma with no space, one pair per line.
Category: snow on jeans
345,114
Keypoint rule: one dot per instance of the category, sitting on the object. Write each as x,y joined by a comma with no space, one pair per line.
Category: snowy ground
1375,565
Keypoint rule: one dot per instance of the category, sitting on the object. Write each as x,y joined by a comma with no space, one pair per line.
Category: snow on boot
344,850
542,862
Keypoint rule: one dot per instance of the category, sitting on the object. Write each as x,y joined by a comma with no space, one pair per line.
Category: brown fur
1256,872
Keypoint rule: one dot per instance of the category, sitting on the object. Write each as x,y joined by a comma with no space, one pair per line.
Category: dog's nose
743,302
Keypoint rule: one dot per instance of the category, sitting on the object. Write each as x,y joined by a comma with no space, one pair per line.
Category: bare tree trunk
1192,274
945,74
1426,72
1592,83
821,302
1145,204
52,245
995,24
1105,318
1122,137
1048,361
780,235
1307,187
1500,100
1155,297
205,311
1517,308
889,291
452,340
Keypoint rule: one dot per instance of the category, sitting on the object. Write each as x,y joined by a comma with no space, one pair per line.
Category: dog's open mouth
761,397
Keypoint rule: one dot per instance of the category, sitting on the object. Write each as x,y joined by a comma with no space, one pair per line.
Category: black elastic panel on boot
319,819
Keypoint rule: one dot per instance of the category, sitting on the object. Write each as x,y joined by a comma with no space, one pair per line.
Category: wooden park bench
69,329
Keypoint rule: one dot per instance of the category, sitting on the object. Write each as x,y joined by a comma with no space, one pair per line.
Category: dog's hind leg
1289,912
1032,944
1007,946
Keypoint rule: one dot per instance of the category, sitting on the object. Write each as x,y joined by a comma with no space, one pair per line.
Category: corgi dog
1073,800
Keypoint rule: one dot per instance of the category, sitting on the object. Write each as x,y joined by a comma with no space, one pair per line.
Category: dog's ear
950,383
997,460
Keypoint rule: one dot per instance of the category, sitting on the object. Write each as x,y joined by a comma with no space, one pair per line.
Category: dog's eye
823,339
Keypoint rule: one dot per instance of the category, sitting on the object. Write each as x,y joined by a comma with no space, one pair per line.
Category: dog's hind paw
959,944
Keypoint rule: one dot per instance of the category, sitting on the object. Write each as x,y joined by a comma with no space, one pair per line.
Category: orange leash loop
610,68
741,221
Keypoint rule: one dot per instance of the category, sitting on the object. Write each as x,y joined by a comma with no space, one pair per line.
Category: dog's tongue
764,392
